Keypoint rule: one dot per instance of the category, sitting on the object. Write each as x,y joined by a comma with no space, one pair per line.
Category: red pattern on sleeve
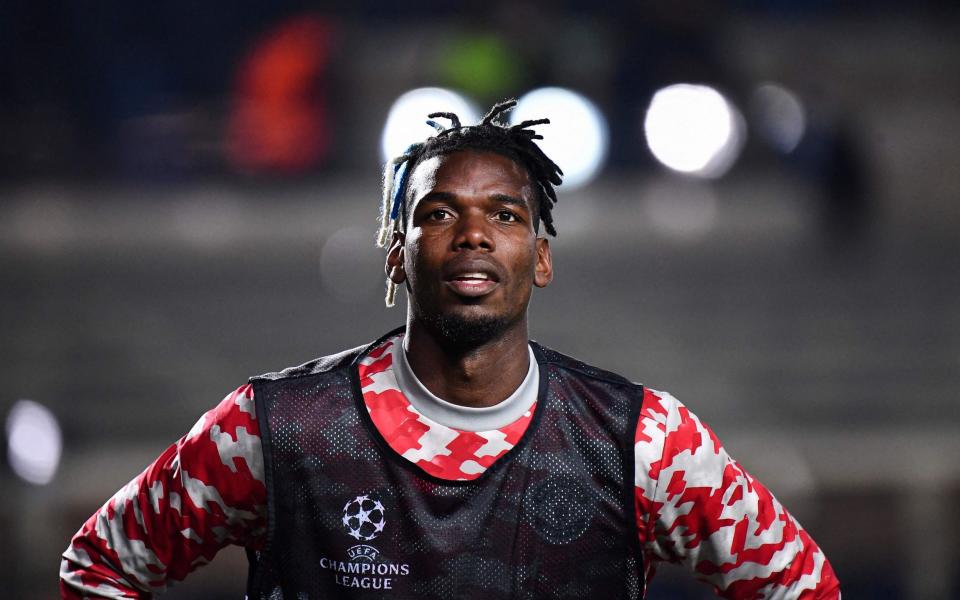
204,492
697,506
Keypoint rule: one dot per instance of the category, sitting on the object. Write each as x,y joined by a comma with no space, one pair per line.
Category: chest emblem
364,518
364,566
560,509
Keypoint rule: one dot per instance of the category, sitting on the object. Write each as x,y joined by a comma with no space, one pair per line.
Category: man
452,458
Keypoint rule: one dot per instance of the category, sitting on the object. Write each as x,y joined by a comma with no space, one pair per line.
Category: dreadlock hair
515,142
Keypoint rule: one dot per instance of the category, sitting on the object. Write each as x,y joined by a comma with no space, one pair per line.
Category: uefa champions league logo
364,568
364,518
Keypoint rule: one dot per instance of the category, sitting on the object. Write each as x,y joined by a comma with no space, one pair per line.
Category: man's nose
473,233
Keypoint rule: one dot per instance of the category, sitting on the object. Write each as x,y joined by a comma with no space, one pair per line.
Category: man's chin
470,329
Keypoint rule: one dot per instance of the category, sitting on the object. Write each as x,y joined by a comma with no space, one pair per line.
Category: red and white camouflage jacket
695,505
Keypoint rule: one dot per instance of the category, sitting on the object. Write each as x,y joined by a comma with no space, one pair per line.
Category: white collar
466,418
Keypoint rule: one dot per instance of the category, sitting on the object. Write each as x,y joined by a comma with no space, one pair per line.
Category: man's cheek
410,261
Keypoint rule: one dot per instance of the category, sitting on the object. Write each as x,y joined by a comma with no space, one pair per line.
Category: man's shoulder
323,364
569,363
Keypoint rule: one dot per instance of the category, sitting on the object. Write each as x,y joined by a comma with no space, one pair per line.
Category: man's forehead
468,170
424,176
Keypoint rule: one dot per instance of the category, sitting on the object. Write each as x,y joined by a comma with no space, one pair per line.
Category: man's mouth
472,284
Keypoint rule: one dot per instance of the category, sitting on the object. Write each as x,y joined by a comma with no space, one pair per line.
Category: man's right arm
204,492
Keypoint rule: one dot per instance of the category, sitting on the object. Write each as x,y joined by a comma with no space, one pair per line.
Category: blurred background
761,216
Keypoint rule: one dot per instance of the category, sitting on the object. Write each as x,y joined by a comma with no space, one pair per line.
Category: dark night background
189,194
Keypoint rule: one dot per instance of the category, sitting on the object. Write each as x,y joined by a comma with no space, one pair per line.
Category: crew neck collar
465,418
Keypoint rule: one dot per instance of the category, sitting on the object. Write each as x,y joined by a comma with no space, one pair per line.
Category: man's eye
507,217
439,214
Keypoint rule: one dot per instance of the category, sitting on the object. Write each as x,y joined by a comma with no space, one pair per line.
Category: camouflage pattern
694,505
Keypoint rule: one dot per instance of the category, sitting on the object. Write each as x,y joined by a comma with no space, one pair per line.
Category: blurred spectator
279,122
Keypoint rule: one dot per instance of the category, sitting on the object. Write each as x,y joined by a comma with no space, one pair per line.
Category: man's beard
459,333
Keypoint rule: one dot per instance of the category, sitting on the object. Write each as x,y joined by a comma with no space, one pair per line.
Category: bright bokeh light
407,120
780,116
694,129
34,442
576,138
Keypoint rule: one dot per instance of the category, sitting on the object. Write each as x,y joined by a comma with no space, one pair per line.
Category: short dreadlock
515,142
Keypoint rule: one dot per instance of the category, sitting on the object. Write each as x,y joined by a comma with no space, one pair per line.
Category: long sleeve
697,507
204,492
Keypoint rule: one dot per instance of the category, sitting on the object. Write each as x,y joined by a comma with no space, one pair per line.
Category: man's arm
697,506
204,492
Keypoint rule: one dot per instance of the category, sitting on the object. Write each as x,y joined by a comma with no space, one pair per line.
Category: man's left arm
698,507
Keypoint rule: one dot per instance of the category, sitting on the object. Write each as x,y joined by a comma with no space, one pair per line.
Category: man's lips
472,284
471,278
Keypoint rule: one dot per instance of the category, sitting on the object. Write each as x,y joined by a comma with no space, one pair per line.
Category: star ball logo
364,518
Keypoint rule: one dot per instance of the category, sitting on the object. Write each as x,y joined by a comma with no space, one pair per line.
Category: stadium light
779,116
407,120
34,442
694,129
577,137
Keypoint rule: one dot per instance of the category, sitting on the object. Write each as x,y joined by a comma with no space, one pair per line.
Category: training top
694,504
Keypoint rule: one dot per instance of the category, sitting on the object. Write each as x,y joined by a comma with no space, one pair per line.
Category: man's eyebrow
507,199
438,196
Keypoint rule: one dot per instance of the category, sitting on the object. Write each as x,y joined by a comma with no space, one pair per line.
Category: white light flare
34,442
577,137
407,120
780,117
694,129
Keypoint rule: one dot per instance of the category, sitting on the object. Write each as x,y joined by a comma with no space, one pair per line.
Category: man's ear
543,274
395,256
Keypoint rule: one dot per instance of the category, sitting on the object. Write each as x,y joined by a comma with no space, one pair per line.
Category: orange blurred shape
279,120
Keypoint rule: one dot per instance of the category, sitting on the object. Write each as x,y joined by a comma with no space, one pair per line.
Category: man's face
470,255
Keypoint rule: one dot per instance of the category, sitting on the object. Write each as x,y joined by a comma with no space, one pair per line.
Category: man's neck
479,376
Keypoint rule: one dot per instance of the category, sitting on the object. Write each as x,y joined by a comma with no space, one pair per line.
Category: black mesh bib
350,518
